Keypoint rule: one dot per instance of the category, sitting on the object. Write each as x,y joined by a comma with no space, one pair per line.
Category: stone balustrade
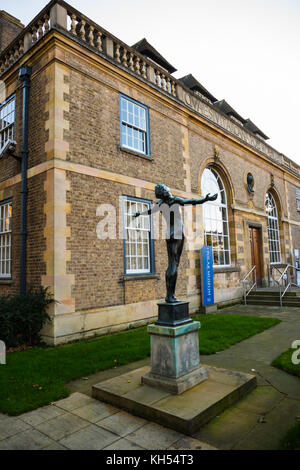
62,16
28,38
88,32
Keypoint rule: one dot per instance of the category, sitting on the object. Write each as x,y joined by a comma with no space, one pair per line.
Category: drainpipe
24,77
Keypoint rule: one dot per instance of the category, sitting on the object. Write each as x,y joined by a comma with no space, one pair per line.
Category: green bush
22,318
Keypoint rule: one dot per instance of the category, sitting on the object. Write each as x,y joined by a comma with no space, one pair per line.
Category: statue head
162,191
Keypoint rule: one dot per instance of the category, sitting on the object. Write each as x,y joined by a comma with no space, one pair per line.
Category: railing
60,15
86,31
285,281
253,286
26,39
63,16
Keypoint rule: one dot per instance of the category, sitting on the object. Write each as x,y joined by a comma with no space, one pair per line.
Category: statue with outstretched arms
170,206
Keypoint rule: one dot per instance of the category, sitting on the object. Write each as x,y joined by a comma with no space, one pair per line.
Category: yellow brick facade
76,164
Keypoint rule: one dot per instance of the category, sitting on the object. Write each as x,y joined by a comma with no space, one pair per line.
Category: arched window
273,229
216,233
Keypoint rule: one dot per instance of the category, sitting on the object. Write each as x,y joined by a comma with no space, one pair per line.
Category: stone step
273,293
273,302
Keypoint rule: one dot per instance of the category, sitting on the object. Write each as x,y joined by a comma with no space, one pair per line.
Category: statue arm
150,211
194,202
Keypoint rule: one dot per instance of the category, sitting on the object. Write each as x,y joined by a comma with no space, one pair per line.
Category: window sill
5,281
136,154
228,269
140,277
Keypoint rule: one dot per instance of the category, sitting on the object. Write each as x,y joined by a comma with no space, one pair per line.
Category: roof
227,109
193,84
10,18
253,128
144,48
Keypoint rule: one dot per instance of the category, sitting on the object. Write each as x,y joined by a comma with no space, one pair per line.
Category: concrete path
81,423
257,422
262,419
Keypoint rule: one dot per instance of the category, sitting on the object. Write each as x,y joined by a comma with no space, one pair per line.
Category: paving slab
28,440
123,444
154,437
62,426
267,435
225,430
42,414
89,438
10,426
55,446
122,423
74,401
95,411
261,400
188,443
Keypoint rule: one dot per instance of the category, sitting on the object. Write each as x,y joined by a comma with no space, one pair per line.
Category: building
106,123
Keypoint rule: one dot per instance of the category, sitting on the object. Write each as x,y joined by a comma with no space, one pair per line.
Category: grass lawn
291,440
38,376
284,362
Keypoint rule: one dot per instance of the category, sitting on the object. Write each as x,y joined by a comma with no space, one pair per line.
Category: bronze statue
170,207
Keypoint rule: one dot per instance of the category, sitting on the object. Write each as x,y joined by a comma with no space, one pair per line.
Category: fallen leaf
261,419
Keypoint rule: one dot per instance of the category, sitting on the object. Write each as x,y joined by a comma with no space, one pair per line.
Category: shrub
22,318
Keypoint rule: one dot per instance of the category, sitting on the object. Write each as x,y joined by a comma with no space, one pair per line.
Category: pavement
258,421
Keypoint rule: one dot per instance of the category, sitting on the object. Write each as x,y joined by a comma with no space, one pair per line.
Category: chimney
10,28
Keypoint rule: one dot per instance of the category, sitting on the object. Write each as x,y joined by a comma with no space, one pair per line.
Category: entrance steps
271,297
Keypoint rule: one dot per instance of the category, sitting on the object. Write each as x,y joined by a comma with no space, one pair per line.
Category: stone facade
76,164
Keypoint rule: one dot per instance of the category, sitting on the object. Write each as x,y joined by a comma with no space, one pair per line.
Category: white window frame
212,207
273,229
6,240
298,198
135,231
135,123
7,120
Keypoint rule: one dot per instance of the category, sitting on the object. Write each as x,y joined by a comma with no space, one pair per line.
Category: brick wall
10,27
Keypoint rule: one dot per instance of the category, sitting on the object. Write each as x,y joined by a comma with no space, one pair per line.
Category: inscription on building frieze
227,124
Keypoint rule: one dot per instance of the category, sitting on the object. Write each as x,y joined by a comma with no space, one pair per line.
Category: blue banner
207,276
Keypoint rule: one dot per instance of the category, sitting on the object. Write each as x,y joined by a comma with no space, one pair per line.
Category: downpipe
24,76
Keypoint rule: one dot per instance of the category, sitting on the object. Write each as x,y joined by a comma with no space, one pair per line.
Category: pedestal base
179,385
208,309
173,314
175,357
185,413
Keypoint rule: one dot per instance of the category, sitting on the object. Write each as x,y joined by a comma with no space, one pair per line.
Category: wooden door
255,242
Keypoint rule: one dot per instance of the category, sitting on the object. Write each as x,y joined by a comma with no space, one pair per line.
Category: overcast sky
245,51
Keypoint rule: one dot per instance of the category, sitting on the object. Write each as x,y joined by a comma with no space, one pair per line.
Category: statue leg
175,248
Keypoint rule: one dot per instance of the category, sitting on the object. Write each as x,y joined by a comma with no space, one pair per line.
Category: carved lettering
229,125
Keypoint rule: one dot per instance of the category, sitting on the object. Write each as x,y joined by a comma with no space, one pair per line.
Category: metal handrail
254,285
289,284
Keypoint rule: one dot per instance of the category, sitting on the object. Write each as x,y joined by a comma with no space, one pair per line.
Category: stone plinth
206,309
185,413
175,358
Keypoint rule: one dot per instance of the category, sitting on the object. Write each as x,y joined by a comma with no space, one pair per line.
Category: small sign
207,276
